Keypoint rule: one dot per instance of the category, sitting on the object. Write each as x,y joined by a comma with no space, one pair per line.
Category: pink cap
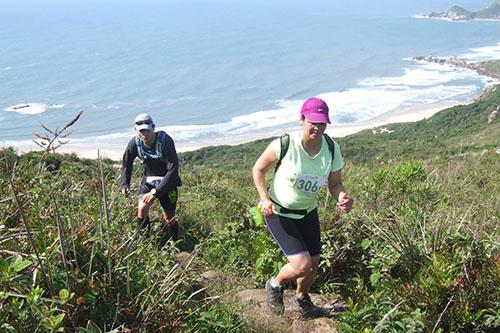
315,110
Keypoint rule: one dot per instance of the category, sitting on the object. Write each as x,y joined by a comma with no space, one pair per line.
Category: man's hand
345,202
148,198
125,191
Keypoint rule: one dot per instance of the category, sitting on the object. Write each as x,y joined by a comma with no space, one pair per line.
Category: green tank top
298,179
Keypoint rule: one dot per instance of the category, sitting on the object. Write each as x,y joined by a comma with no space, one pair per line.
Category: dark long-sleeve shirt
167,167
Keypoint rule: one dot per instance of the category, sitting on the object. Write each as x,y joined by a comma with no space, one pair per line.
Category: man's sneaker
275,298
143,223
306,306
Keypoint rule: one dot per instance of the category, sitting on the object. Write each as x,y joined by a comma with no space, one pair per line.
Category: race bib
153,180
309,184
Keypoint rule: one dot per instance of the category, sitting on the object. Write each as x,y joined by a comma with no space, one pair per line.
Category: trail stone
210,275
254,306
182,257
493,115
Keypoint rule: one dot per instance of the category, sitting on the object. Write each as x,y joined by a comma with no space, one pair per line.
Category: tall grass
98,275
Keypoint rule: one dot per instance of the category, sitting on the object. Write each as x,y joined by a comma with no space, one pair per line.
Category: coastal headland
478,67
457,13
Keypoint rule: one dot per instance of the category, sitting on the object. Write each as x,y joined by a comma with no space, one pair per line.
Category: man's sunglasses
142,122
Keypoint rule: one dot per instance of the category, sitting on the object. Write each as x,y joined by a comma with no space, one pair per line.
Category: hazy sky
469,4
31,11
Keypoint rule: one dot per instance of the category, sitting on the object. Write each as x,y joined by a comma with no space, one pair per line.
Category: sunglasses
144,122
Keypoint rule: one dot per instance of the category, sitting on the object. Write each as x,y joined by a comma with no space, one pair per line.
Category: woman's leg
299,265
305,282
287,236
310,231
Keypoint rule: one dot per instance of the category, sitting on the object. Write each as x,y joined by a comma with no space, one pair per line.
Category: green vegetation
492,66
420,252
97,274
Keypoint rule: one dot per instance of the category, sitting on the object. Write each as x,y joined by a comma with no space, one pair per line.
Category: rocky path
252,303
254,306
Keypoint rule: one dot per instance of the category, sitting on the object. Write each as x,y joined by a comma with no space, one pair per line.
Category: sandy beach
115,152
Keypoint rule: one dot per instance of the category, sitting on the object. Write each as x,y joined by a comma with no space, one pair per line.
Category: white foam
428,17
55,106
33,108
423,74
22,144
27,108
484,53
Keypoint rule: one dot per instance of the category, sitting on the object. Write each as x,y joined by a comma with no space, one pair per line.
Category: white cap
144,121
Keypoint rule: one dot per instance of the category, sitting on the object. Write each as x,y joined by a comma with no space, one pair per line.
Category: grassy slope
460,126
493,65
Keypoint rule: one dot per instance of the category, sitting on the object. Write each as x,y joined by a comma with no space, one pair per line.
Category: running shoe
275,298
306,306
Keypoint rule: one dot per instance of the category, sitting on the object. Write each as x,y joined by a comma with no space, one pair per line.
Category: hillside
457,13
420,249
493,66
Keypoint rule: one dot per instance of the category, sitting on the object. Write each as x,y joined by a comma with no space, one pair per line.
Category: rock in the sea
457,13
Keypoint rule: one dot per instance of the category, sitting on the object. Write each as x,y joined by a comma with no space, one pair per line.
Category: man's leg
142,213
142,207
171,221
170,228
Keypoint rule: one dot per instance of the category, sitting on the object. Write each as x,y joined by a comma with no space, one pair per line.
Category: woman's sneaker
275,298
306,306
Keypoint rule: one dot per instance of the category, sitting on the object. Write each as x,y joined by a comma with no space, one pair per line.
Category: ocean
213,72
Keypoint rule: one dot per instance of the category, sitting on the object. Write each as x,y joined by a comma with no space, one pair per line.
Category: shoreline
408,115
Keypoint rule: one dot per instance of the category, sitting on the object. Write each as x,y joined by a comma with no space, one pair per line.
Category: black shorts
296,235
168,201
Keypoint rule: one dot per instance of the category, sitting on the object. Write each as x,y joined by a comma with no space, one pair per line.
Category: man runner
160,178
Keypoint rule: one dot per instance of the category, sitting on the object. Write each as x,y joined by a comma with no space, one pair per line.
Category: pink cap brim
318,118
